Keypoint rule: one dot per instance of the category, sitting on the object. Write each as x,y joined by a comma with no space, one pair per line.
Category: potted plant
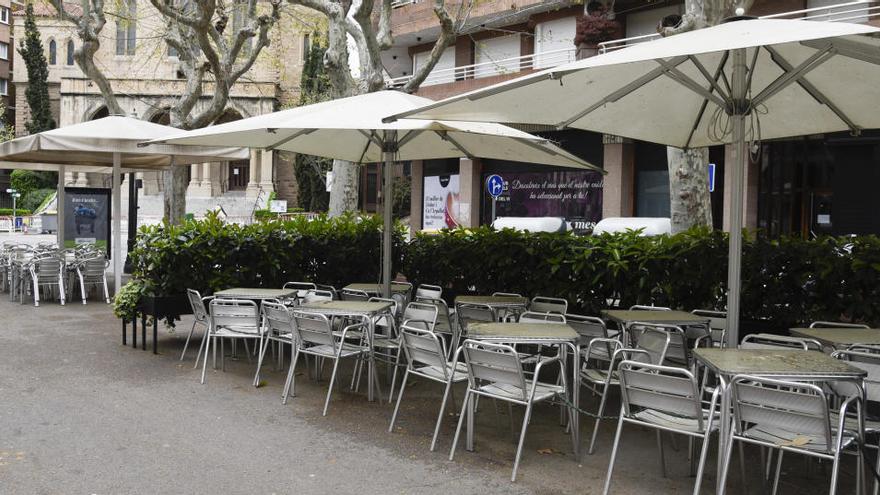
594,27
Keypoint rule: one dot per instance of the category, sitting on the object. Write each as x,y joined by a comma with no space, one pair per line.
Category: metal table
792,365
680,318
495,302
839,338
560,335
376,289
257,294
370,310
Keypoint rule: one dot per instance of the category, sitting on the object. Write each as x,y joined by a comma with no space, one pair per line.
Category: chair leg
36,292
701,464
598,419
725,463
399,398
522,439
742,467
446,395
61,288
207,351
778,470
613,454
330,388
464,405
290,385
263,347
186,344
82,287
106,292
394,376
202,345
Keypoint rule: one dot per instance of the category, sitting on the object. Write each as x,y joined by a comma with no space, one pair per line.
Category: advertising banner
440,202
573,195
87,217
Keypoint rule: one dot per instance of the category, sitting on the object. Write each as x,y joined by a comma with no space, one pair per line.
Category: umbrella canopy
352,129
732,83
106,145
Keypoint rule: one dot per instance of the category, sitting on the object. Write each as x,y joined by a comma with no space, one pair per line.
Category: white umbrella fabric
741,81
103,145
352,129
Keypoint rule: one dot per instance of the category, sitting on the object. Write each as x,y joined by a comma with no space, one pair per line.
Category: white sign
330,179
441,202
278,206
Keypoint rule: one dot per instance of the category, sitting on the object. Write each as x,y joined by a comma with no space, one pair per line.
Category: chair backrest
423,347
48,266
490,364
541,304
772,341
836,324
717,324
663,388
677,349
866,361
797,407
383,321
506,294
317,295
429,291
642,307
242,314
329,288
588,327
93,266
276,317
468,313
533,317
354,295
650,341
420,314
197,304
301,288
313,329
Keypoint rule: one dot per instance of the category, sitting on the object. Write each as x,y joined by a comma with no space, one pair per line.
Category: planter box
165,306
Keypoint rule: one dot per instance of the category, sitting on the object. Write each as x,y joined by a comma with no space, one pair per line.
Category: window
4,50
53,52
126,28
4,87
69,52
172,52
499,55
4,15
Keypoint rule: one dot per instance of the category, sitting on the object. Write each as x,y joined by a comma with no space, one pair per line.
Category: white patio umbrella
737,82
352,129
110,144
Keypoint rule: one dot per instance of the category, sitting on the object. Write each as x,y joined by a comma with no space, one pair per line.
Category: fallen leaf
545,451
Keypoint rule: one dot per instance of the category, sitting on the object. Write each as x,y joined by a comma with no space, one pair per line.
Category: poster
573,195
440,202
87,217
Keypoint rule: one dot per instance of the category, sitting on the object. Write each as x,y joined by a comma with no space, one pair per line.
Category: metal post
739,164
390,148
12,227
132,218
59,207
117,223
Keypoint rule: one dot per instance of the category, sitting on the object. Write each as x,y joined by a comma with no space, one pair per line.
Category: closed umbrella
102,145
741,81
352,129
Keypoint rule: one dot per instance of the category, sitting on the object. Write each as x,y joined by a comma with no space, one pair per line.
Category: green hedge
786,280
20,212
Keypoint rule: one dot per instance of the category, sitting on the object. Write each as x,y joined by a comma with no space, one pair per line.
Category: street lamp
15,195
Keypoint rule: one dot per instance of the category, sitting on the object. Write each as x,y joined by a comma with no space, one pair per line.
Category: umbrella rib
713,81
812,90
681,78
446,137
366,147
301,132
847,48
794,75
719,71
407,138
620,93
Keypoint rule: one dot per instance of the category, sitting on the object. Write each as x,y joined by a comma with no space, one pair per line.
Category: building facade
7,89
146,78
794,186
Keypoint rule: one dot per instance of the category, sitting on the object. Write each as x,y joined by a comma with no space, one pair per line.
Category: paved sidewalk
81,414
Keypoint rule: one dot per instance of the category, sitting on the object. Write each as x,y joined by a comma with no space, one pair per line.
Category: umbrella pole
59,207
740,162
117,223
390,148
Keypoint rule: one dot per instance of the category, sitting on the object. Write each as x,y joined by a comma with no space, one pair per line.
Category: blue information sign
711,177
495,185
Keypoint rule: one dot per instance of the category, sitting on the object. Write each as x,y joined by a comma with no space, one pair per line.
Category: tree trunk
690,202
174,196
344,195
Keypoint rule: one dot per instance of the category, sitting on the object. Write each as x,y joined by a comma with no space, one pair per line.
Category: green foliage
25,181
35,198
400,197
5,212
37,93
311,170
127,299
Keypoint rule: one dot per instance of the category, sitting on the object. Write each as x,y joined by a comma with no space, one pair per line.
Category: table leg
575,398
155,334
134,332
723,432
144,332
469,437
124,331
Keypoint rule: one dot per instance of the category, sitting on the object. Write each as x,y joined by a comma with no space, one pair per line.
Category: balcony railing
396,4
542,60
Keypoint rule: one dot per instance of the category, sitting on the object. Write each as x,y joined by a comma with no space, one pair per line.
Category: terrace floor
80,413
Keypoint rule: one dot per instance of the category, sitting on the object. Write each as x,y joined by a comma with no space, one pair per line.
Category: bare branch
447,36
385,38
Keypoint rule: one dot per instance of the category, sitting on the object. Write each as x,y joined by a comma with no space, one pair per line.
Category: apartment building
795,186
146,78
7,92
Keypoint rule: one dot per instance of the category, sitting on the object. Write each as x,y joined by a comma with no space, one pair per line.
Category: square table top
521,332
494,301
377,288
668,317
346,307
778,363
840,336
255,293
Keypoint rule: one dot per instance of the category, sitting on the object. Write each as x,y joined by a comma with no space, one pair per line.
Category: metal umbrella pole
389,146
740,107
117,223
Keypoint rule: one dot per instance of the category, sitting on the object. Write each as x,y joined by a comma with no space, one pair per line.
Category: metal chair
541,304
789,417
643,307
317,295
301,288
495,372
535,317
200,317
329,288
771,341
836,324
93,271
47,271
427,358
313,335
231,319
665,399
717,326
504,314
470,313
446,322
278,327
650,348
428,291
870,363
589,328
354,295
417,314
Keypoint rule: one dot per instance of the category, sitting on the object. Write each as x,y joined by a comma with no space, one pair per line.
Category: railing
542,60
396,4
